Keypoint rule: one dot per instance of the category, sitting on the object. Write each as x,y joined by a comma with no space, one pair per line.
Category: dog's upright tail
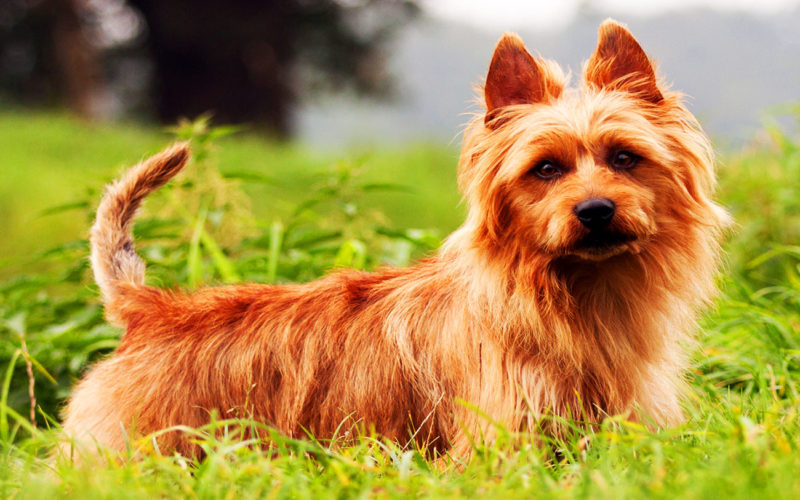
113,258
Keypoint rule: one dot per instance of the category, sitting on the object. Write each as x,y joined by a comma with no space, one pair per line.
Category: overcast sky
554,14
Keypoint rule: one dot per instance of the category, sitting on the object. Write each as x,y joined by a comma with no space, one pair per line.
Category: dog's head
590,173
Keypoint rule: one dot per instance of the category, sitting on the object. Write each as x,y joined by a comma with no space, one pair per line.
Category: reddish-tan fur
512,314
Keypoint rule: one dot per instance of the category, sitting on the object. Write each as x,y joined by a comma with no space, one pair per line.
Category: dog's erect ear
514,77
619,63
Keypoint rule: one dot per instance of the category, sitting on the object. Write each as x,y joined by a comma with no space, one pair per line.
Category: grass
53,160
250,210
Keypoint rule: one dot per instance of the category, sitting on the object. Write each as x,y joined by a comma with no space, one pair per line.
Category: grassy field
251,210
53,160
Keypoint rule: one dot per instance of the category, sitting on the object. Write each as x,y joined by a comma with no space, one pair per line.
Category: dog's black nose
595,213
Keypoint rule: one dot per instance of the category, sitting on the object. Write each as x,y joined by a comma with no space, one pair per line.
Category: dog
571,290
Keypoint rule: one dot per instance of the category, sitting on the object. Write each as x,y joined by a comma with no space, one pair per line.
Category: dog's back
300,358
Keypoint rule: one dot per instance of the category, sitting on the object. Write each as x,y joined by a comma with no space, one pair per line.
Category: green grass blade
352,253
223,264
19,419
194,260
4,409
276,232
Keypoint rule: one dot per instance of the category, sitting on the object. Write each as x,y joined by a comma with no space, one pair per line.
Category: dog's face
593,172
580,177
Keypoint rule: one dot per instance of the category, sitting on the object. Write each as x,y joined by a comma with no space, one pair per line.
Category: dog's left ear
619,63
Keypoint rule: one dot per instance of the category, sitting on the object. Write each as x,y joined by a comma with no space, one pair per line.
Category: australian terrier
571,290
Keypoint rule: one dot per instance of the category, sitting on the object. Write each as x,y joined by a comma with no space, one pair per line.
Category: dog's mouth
598,245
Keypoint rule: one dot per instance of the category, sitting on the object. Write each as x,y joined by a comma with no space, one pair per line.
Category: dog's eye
623,160
546,170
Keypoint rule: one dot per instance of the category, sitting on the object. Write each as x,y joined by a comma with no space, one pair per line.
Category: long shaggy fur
113,257
512,315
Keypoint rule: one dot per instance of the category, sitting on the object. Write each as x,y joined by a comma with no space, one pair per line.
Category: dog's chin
602,245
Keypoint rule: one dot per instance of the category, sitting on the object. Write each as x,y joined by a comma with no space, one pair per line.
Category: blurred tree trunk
78,68
243,60
230,58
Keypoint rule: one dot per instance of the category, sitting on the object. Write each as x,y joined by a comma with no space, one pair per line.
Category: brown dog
571,289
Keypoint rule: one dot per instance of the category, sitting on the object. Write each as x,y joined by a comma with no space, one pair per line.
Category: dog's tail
113,258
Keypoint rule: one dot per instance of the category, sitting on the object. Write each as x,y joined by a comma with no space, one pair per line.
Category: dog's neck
541,303
566,329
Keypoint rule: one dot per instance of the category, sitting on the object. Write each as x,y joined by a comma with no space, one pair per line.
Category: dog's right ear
514,77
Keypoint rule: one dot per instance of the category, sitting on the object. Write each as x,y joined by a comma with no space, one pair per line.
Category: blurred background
326,90
338,72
